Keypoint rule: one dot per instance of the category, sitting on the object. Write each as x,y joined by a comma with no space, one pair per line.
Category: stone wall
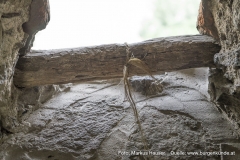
19,22
14,14
221,20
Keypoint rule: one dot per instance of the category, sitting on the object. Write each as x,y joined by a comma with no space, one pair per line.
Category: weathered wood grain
106,61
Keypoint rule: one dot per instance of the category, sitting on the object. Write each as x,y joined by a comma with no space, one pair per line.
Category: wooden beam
42,67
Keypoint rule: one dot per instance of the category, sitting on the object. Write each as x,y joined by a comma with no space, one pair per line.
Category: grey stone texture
13,13
224,86
94,121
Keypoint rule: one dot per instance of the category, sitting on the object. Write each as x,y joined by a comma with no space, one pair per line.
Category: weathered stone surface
92,121
107,61
229,147
39,18
30,99
225,81
13,13
205,22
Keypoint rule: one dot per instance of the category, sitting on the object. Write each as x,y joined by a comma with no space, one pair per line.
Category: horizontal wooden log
42,67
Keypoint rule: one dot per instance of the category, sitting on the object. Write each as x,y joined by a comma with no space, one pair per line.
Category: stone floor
93,121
